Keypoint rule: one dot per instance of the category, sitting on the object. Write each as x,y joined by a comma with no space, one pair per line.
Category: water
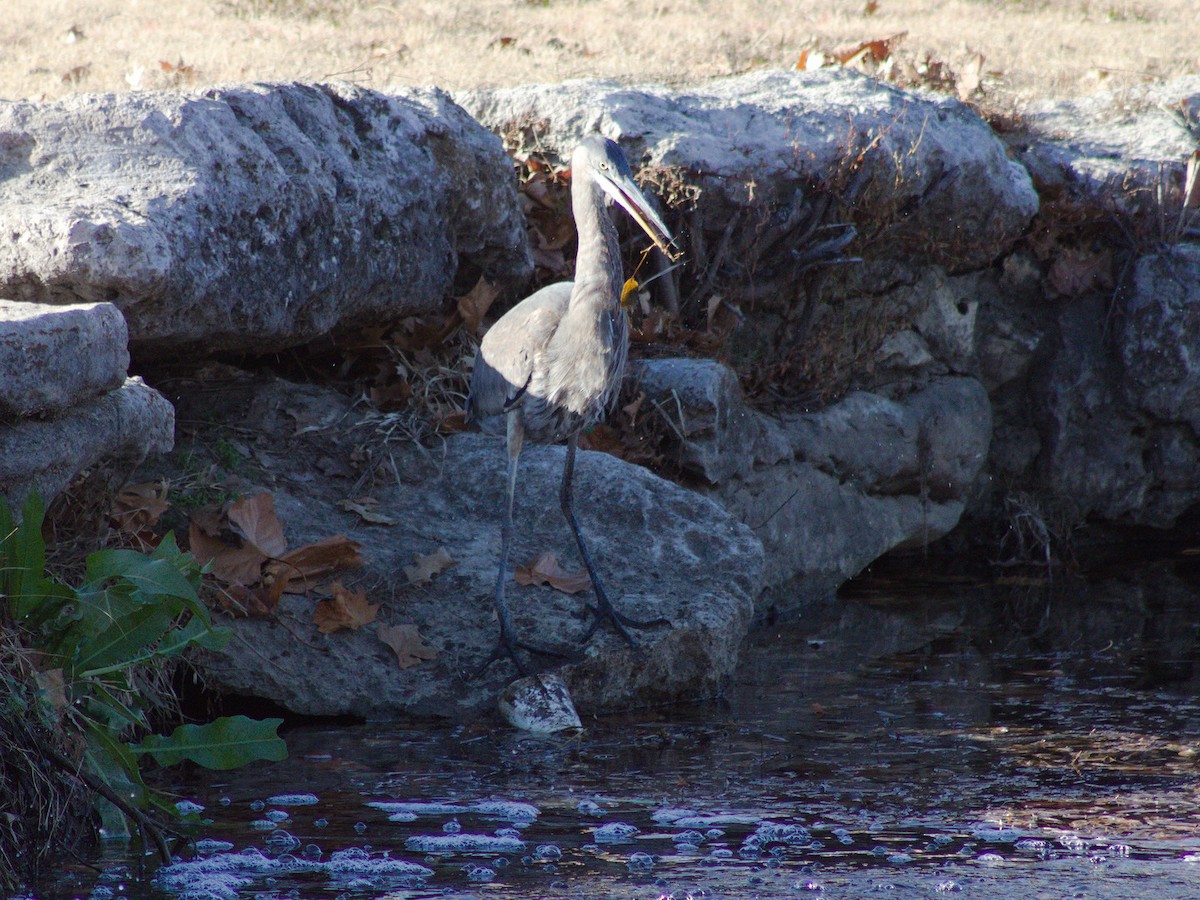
921,740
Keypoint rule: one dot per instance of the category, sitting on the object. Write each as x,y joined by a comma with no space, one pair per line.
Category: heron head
605,163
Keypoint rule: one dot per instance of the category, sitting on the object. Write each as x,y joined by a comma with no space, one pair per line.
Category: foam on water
463,843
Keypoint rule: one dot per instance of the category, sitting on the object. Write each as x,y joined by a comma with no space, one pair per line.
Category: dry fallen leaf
406,641
474,305
312,561
876,51
426,567
229,561
546,570
254,517
345,609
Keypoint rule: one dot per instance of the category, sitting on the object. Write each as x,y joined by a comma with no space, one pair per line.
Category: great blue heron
553,363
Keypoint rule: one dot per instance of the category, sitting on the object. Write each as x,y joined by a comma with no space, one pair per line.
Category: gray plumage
553,363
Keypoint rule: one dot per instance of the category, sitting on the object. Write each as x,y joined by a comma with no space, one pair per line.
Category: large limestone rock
53,357
1114,148
119,428
832,490
664,551
254,217
1116,393
927,166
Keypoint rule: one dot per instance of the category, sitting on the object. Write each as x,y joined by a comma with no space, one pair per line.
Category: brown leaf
473,305
406,641
345,609
312,561
546,570
365,508
230,561
876,51
138,506
426,567
254,517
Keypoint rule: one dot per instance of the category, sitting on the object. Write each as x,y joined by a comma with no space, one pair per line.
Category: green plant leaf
156,577
226,743
128,640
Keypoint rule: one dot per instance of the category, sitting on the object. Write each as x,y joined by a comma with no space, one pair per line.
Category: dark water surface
922,739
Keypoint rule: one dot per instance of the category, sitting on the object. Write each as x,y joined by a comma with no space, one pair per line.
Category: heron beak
630,196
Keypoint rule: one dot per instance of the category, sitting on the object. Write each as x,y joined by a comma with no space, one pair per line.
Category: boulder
868,475
54,357
715,434
753,146
828,491
663,550
1114,148
252,218
118,428
1115,393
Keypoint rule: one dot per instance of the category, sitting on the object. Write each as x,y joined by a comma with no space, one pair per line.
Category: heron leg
509,643
603,608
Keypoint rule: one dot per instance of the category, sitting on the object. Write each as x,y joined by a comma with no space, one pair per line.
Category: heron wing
507,354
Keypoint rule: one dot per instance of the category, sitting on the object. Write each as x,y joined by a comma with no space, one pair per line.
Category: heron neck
598,260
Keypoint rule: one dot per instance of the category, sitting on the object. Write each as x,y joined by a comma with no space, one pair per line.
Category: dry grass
1034,48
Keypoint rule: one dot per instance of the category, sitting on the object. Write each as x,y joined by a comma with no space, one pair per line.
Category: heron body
553,363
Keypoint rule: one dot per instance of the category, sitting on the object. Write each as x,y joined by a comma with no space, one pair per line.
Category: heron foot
508,645
603,609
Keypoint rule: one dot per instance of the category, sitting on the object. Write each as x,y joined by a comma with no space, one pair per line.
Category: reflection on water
999,741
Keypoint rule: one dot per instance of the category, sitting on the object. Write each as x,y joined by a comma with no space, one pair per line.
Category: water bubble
188,808
689,837
321,823
101,892
946,887
687,848
813,886
1071,841
512,810
480,873
257,805
281,841
713,833
989,859
899,859
312,851
225,801
264,825
276,815
360,827
452,827
293,800
640,862
206,846
615,832
590,808
1121,850
547,852
508,833
843,836
721,853
500,862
